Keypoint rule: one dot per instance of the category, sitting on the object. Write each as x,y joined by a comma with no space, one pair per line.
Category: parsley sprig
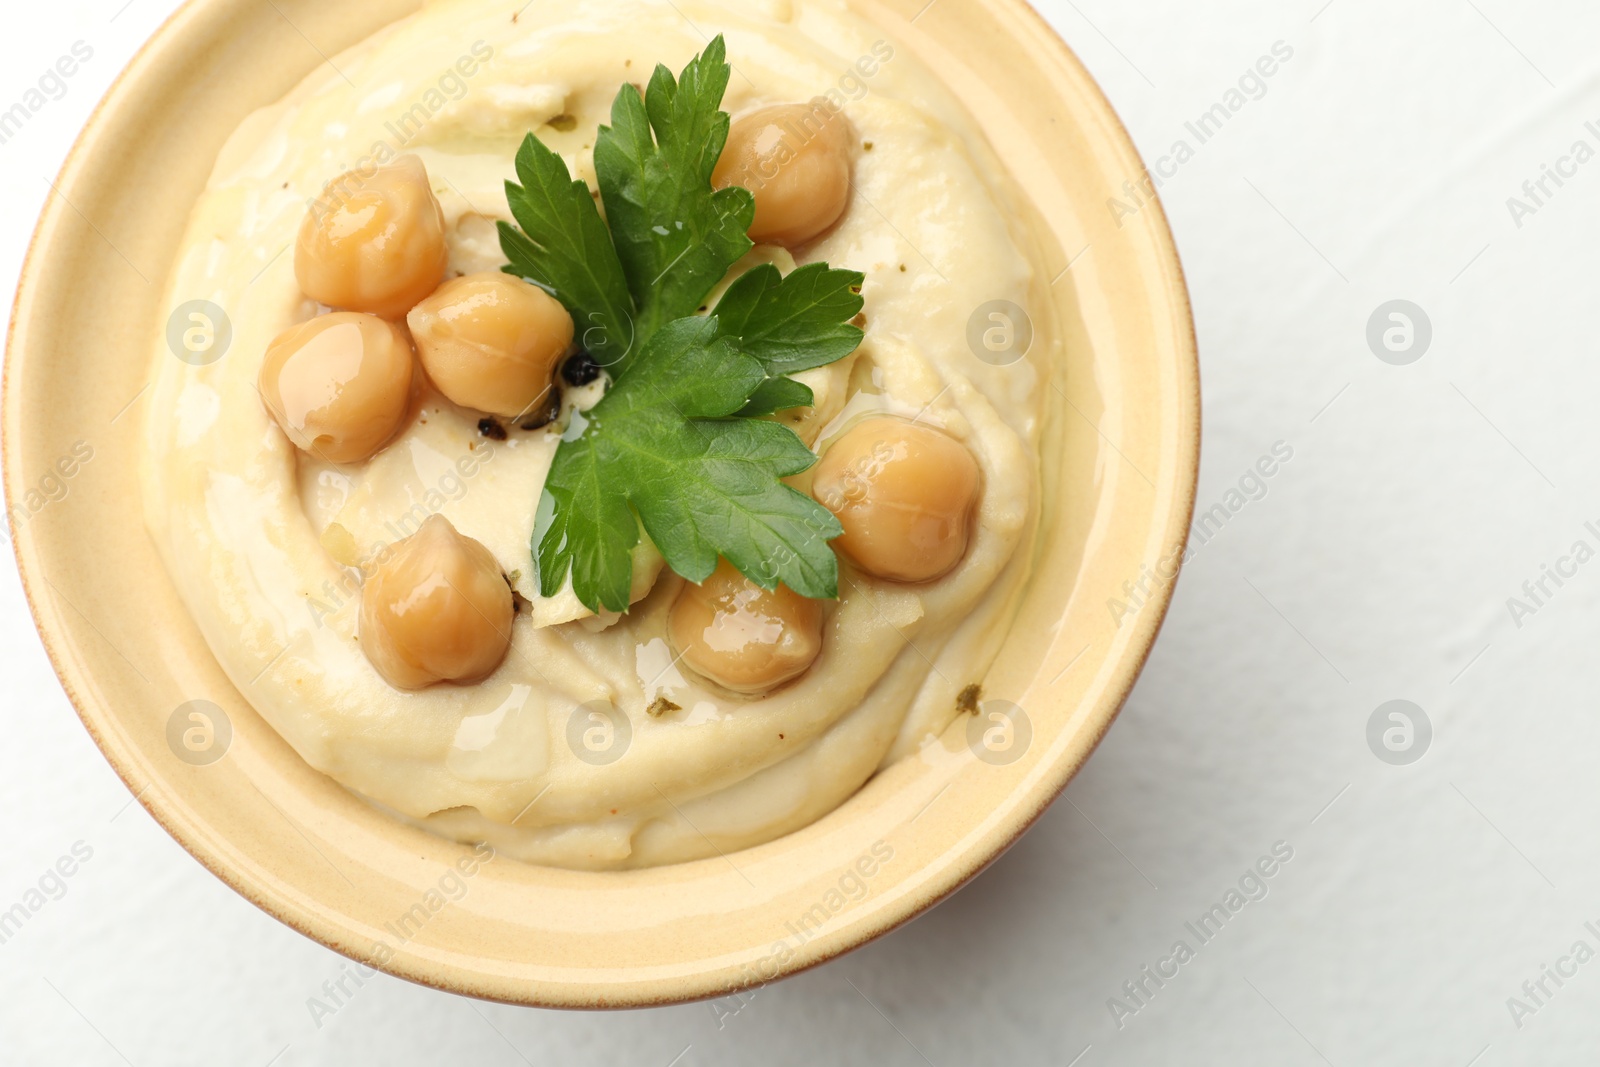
673,446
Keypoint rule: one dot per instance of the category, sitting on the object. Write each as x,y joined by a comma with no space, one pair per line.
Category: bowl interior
1125,454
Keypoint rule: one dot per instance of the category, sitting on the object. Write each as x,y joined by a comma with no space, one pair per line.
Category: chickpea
491,341
339,385
795,159
905,495
373,243
436,610
743,637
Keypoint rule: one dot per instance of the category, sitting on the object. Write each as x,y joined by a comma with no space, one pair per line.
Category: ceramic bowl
1118,501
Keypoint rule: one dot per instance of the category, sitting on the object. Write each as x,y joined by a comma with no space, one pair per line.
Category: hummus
591,746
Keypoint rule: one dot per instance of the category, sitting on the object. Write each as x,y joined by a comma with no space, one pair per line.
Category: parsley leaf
672,447
661,443
791,324
675,236
563,245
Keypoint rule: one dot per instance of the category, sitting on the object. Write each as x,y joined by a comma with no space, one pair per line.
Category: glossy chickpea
742,636
905,495
339,385
373,243
795,159
436,610
491,341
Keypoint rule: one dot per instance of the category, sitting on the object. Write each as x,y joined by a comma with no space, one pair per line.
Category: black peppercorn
580,368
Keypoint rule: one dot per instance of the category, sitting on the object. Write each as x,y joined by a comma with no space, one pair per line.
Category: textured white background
1419,498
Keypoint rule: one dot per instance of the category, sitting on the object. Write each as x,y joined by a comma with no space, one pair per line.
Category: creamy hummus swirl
590,747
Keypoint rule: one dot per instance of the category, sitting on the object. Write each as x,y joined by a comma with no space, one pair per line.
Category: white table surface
1378,566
